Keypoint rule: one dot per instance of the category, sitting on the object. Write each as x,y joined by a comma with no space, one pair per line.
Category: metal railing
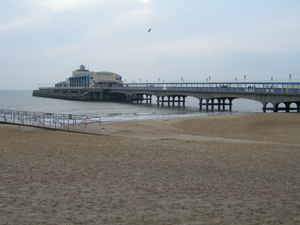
256,87
57,121
215,89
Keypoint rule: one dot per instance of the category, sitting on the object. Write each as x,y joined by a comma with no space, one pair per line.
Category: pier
218,96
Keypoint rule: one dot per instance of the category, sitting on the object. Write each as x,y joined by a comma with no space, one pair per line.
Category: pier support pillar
200,103
287,106
148,98
219,103
264,108
210,102
230,104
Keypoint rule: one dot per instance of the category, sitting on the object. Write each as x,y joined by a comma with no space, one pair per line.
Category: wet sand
219,169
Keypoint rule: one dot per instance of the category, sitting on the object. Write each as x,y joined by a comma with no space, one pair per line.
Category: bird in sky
149,30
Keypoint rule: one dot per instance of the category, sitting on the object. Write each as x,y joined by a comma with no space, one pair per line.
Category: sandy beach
218,169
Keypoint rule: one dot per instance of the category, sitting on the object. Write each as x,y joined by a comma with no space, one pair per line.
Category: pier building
84,78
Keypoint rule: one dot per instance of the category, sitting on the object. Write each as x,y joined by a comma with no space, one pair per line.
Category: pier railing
215,89
57,121
259,87
256,87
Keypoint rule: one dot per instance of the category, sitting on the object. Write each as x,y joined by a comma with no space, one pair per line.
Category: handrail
47,120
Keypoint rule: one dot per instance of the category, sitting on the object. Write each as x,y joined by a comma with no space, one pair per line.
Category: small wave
114,114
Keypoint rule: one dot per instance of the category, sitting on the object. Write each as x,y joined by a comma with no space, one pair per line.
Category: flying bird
149,30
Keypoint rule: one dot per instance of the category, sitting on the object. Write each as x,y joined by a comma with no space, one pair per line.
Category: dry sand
225,169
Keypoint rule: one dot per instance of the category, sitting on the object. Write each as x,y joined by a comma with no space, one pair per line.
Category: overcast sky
43,41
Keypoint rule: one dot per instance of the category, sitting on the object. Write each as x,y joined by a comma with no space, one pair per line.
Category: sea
22,100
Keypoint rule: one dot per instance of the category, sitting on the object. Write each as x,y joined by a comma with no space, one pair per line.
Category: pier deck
212,96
